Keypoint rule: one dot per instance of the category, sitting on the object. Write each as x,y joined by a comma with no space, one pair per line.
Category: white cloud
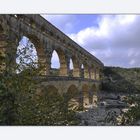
116,40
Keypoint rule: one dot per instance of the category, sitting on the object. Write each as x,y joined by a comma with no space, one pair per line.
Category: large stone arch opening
26,55
85,92
55,64
34,50
73,97
63,71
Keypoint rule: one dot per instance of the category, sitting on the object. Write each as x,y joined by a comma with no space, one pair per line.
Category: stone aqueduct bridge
46,39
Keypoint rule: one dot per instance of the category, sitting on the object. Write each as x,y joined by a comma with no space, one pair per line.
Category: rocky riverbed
106,113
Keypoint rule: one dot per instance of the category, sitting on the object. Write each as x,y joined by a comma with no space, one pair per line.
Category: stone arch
51,89
63,71
40,51
85,92
49,95
49,92
44,89
73,97
26,52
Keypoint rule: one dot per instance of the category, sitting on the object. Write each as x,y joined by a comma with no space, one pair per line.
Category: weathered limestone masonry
46,39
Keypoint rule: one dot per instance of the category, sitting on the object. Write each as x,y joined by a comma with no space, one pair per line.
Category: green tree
21,105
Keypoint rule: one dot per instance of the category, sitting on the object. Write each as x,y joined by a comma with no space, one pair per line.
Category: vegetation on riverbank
21,105
127,82
124,80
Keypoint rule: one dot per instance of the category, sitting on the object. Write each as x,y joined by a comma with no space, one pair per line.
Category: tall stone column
76,68
93,73
81,70
85,98
48,63
90,72
42,64
68,65
81,100
86,71
95,99
90,97
97,74
64,68
76,72
95,77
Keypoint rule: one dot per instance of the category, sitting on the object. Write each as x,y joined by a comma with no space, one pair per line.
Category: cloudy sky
114,39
